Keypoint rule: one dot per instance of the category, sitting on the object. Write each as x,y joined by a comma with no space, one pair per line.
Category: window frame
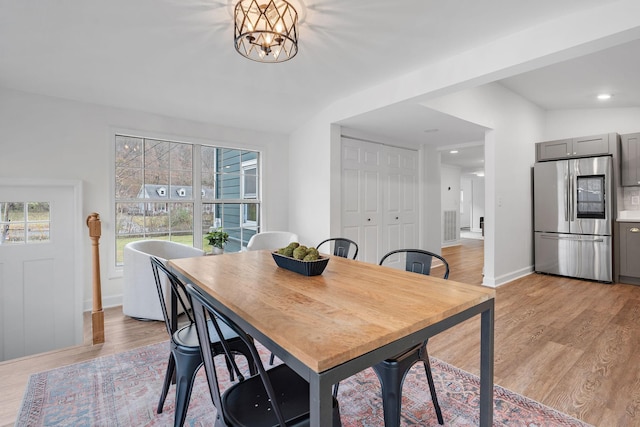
115,269
244,166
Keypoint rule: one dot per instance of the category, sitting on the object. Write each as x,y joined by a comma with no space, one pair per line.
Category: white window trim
108,238
249,164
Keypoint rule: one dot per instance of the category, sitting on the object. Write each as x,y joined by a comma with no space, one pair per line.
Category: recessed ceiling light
453,151
604,96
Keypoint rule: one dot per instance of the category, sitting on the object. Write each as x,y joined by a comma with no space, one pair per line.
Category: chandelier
266,32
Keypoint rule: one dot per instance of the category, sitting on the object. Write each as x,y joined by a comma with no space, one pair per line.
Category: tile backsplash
631,201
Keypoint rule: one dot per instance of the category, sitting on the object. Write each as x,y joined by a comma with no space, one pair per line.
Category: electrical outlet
635,200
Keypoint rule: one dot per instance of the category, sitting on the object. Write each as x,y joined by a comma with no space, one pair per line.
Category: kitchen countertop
628,216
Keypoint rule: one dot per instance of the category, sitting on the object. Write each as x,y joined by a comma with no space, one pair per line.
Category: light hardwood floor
570,344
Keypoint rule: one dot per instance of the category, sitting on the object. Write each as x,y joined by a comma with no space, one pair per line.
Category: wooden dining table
334,325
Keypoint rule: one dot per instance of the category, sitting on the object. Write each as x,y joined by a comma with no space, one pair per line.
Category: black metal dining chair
274,397
418,261
185,358
392,372
341,246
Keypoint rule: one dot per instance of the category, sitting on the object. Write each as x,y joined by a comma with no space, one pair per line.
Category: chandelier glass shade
266,31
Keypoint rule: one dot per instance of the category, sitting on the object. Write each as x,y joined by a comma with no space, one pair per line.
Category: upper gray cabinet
559,149
630,159
576,147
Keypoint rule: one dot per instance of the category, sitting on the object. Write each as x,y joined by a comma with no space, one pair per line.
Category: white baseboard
107,302
506,278
450,243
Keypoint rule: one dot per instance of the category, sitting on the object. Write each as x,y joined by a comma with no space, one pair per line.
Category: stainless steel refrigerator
572,217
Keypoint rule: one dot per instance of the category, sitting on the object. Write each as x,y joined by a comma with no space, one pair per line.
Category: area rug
123,390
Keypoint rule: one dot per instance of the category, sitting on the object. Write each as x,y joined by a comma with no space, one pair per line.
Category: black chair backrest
202,310
178,293
341,246
419,261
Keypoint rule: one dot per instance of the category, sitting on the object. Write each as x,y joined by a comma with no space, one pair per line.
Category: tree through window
161,191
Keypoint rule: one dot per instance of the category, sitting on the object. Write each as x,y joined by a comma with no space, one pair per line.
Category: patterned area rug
123,390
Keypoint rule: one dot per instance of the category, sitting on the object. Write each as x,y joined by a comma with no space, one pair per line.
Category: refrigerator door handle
567,210
577,238
570,178
570,196
554,237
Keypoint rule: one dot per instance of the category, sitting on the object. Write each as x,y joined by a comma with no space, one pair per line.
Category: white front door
40,266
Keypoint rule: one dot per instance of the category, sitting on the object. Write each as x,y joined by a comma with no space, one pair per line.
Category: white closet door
379,198
401,200
362,197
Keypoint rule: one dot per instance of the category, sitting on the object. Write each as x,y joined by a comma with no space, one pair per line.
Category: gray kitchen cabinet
629,252
576,147
630,159
548,150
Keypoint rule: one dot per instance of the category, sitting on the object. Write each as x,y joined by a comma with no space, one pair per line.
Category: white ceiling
571,84
575,83
176,58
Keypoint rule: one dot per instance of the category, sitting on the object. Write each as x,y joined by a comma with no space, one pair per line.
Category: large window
178,191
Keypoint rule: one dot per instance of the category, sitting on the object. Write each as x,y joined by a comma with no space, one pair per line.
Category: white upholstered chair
271,240
140,296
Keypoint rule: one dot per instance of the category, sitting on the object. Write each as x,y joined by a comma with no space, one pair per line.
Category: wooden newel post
97,315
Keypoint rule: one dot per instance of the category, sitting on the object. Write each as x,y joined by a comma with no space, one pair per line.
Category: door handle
634,230
567,205
571,197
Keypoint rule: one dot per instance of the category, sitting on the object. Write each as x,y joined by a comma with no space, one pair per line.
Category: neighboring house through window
179,191
249,190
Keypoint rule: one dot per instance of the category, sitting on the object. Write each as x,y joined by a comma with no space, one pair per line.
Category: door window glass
24,222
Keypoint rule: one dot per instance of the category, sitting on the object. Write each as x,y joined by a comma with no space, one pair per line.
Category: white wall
312,178
450,197
430,199
509,154
51,138
474,195
575,123
466,207
450,188
477,202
